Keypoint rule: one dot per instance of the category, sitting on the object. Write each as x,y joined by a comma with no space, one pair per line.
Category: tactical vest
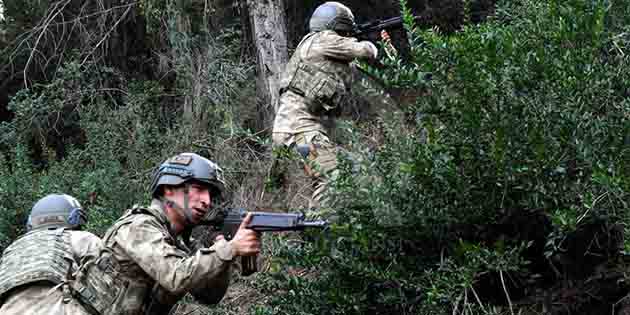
109,287
40,255
323,86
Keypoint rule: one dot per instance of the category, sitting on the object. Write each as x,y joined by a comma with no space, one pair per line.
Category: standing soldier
36,270
147,265
313,86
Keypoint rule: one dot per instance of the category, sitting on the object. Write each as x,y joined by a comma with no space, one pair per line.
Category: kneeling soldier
147,263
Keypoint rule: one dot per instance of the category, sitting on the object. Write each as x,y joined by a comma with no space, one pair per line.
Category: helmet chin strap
187,210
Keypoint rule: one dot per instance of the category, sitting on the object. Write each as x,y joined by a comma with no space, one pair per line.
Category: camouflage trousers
320,163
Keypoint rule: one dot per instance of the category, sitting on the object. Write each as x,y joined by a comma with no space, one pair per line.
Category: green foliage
191,16
103,145
17,191
24,12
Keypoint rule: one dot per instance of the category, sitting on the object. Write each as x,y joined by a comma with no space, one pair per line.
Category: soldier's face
199,201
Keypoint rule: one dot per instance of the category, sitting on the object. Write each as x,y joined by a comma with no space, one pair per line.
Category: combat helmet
186,167
332,16
56,211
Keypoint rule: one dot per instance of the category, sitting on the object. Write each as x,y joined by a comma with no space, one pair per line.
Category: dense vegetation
501,187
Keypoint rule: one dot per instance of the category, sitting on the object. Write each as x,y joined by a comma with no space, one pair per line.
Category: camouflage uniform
50,297
145,269
313,86
37,269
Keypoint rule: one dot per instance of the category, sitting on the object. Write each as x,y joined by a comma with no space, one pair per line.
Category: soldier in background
36,270
147,263
313,87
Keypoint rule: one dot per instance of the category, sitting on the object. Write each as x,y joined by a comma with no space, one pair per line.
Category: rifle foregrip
248,265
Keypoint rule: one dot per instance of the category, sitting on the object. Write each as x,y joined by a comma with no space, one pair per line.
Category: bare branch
507,295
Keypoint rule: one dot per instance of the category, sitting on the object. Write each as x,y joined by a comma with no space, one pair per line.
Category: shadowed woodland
496,179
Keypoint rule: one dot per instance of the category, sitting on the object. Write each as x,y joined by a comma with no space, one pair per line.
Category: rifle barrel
320,224
378,25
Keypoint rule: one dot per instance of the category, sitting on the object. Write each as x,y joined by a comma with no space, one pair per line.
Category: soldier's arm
212,290
245,242
176,271
338,47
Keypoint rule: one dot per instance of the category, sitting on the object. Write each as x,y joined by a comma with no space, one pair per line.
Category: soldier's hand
246,242
390,50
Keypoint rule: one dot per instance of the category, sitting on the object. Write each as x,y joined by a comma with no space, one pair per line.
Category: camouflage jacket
316,80
145,268
41,298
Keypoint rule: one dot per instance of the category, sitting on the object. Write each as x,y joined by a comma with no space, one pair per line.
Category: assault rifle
364,30
229,220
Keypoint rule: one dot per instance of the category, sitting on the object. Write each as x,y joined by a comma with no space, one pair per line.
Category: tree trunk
268,26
